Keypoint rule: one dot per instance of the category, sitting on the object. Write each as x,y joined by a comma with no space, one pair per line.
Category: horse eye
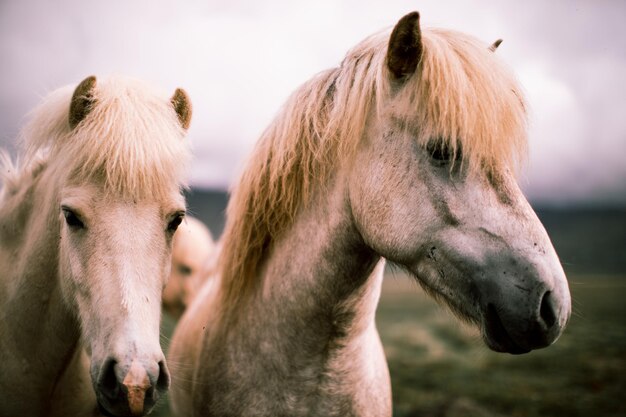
72,219
184,269
440,152
175,222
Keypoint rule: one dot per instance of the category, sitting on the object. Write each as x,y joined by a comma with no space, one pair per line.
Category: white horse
86,225
406,152
193,252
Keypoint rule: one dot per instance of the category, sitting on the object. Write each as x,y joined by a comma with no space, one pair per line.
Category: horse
407,151
87,216
193,251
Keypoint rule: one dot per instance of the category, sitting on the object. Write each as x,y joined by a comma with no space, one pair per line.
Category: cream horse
405,151
193,253
86,225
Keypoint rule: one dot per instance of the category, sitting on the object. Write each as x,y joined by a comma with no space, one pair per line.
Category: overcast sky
239,60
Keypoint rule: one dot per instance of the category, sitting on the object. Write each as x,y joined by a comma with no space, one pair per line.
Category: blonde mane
131,141
461,96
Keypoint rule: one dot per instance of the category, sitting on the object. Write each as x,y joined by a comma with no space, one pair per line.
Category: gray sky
239,60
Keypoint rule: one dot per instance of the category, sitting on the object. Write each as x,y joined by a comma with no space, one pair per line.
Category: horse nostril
547,310
163,380
108,380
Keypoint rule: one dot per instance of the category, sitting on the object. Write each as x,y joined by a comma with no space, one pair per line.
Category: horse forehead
95,196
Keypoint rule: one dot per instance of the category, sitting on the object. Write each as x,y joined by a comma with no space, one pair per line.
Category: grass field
441,368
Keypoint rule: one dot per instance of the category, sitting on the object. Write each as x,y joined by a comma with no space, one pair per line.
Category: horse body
84,252
404,152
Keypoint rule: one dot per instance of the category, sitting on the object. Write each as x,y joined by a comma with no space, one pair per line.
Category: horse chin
119,407
119,410
496,337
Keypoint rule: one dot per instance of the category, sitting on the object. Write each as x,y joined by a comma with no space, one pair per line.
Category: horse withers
86,225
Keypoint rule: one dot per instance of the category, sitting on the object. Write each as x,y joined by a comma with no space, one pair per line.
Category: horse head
120,203
432,188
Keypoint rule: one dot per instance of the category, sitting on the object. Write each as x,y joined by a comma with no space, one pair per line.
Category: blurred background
239,60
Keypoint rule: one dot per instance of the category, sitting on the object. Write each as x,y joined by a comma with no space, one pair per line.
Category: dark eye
184,269
441,153
175,222
72,218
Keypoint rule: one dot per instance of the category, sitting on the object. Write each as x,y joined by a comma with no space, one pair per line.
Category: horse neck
307,327
32,308
317,281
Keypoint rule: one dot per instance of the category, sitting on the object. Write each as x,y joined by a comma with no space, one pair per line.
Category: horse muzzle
520,300
130,389
524,313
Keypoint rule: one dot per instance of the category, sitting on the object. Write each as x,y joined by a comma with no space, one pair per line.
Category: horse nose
524,321
131,390
548,310
545,329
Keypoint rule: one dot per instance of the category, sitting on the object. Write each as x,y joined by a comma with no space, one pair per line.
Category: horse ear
495,45
182,105
82,101
405,46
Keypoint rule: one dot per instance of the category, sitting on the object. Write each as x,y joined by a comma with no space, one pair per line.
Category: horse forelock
461,95
467,99
131,141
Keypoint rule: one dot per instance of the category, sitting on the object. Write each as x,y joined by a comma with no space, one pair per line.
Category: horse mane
461,96
131,141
